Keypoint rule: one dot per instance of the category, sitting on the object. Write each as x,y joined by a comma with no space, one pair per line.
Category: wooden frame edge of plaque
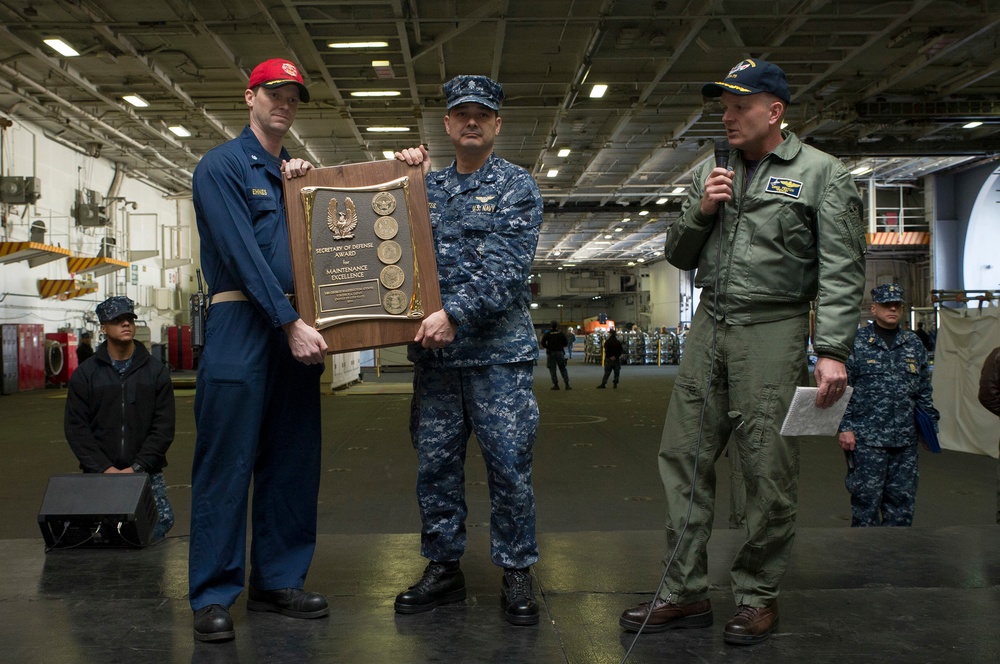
377,274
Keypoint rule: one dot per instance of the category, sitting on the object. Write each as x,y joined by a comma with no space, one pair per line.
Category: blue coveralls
888,383
485,231
256,407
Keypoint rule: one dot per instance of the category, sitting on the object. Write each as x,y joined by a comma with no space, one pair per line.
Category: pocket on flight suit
263,218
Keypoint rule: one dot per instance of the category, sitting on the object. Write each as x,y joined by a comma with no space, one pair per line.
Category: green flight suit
793,236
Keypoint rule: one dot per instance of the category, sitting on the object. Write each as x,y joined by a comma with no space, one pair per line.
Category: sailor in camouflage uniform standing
473,358
889,373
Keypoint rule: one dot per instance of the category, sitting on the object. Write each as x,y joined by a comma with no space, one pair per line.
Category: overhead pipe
13,73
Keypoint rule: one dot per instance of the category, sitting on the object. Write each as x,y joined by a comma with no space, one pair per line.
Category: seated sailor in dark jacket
120,407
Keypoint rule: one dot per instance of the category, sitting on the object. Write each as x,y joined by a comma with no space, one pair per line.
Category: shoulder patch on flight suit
784,186
258,192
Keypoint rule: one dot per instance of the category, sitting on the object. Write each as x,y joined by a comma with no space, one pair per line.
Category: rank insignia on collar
784,186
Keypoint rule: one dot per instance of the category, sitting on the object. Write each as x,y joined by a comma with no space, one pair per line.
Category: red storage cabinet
179,354
30,357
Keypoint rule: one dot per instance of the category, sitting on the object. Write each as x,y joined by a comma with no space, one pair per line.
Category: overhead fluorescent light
643,213
661,201
619,229
556,253
358,44
389,129
640,260
861,170
607,236
972,125
630,264
136,101
58,45
375,93
178,130
598,91
552,173
678,190
388,154
383,69
564,152
626,220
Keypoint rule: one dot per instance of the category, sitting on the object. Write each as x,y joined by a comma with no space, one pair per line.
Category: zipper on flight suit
739,217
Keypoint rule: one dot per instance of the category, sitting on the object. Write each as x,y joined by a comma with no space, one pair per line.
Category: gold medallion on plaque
383,203
386,228
394,302
389,252
391,276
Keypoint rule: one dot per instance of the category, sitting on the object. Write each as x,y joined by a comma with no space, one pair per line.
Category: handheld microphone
721,152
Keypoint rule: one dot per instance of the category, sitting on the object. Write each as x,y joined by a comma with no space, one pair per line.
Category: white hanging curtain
964,339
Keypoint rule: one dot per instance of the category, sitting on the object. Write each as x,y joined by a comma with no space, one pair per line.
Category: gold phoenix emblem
342,224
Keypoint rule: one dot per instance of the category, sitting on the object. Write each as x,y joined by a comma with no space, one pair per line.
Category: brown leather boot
667,615
751,624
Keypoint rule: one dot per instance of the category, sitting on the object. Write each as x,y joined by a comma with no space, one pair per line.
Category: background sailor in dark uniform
257,404
889,372
473,358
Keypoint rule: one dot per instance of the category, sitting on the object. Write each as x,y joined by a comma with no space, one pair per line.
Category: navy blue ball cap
478,89
114,307
750,77
887,293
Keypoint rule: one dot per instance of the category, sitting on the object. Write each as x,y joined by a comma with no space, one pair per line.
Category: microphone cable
721,161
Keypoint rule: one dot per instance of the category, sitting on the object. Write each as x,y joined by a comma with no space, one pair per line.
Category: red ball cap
277,72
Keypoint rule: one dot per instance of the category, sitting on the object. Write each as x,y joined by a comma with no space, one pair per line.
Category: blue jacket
888,384
240,210
485,228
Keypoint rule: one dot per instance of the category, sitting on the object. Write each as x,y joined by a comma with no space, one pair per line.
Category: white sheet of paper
805,419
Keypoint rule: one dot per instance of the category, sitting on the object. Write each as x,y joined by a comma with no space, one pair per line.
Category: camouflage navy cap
115,306
478,89
887,293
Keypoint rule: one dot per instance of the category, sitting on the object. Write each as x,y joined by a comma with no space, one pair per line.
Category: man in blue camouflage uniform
789,234
257,406
473,358
889,373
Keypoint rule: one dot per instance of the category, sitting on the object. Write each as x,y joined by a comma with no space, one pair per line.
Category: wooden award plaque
362,253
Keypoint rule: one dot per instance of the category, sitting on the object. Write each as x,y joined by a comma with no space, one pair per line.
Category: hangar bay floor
930,593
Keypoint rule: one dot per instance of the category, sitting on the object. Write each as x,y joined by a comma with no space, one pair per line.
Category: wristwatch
136,468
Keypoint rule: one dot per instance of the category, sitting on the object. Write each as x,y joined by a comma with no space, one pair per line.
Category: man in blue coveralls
473,358
257,404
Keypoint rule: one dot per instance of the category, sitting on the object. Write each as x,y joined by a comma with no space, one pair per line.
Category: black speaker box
97,509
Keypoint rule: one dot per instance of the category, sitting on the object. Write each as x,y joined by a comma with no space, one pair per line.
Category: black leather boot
291,602
213,623
441,583
516,598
